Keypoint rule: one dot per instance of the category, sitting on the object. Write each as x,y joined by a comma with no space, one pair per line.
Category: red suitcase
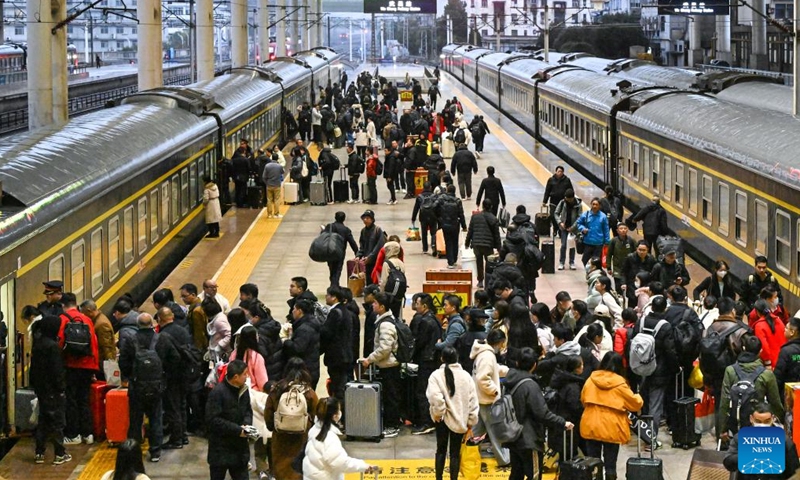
117,415
97,403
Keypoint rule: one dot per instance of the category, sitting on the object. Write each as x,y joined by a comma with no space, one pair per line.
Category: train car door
8,378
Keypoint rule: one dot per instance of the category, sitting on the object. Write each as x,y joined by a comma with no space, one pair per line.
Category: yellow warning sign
406,96
438,300
424,469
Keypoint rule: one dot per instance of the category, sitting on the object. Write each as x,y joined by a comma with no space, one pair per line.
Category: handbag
337,132
579,246
356,280
111,371
704,418
470,466
412,234
503,217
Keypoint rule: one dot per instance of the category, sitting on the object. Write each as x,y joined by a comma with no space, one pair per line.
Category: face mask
337,417
637,284
762,424
722,273
774,303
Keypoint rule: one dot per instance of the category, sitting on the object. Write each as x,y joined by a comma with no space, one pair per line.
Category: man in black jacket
432,163
654,222
669,271
483,236
176,385
145,393
756,281
335,340
449,214
355,167
47,375
636,262
427,332
508,270
554,192
329,164
240,165
303,338
370,243
270,345
492,187
228,412
465,164
335,267
391,169
298,290
787,368
425,206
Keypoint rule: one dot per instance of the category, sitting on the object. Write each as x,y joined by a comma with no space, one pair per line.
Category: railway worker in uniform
669,271
53,290
80,372
213,209
753,284
654,222
210,288
554,192
240,165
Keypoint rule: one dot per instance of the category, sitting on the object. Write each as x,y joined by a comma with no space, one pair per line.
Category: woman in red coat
769,329
376,272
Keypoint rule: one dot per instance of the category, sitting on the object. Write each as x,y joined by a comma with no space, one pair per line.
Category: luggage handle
571,438
370,372
683,389
544,208
653,440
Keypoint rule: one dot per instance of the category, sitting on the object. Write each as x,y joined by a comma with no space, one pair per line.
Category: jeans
335,269
481,254
444,436
51,423
655,402
591,251
479,143
524,464
354,187
484,415
373,190
238,472
78,414
424,228
610,451
305,188
273,200
563,256
175,410
451,244
464,184
391,396
154,411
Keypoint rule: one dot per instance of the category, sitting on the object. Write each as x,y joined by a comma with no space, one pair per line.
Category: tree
620,18
458,14
608,41
475,37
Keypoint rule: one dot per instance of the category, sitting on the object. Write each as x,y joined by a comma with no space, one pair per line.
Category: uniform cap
53,286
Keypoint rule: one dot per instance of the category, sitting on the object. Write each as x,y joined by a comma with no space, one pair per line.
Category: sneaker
349,201
62,459
422,429
649,448
391,432
269,216
394,202
561,266
185,441
451,267
389,203
572,266
89,439
172,446
72,441
155,457
480,284
279,216
38,458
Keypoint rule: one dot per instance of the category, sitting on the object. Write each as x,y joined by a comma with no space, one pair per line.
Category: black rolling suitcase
549,251
639,468
586,468
408,385
541,222
341,189
683,434
255,197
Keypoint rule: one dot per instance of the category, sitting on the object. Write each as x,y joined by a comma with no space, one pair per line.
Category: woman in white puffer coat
325,457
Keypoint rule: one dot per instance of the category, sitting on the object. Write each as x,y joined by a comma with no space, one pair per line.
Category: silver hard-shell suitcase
318,193
362,408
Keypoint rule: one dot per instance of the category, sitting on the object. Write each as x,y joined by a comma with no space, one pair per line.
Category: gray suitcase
365,193
362,408
23,409
318,193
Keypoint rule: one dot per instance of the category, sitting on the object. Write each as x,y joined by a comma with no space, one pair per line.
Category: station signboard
681,7
400,6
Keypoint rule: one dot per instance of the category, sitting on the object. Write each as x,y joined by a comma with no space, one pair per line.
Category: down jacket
486,372
459,411
607,399
385,343
484,231
532,412
328,460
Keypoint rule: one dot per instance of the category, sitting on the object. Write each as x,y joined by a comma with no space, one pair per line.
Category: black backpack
475,130
378,167
715,353
148,371
396,284
460,136
688,334
359,165
551,398
427,208
77,338
405,340
743,397
533,256
191,362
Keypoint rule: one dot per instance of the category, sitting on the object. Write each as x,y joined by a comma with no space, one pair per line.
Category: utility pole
546,32
796,66
192,45
374,39
350,36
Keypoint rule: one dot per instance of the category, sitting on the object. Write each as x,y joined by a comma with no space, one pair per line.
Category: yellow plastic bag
696,377
470,468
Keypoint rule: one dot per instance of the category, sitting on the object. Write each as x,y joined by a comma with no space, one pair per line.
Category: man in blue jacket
593,225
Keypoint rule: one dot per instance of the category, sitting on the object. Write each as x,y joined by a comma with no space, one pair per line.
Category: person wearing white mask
718,284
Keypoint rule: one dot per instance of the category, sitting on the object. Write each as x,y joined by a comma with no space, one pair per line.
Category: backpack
147,370
460,136
320,313
427,208
77,338
360,165
334,162
743,397
533,256
291,416
378,167
688,334
396,284
551,398
405,342
715,352
475,130
191,362
313,170
503,416
643,350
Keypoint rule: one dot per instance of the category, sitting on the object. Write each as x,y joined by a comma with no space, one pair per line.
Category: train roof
475,53
237,90
494,59
314,60
524,69
769,96
594,64
451,47
286,69
761,140
585,87
328,53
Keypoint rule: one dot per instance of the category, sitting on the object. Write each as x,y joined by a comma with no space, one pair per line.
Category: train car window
113,249
176,199
193,183
740,218
153,216
141,217
127,236
55,271
694,192
761,226
96,259
165,207
724,208
645,164
655,171
595,148
708,192
184,191
78,265
783,241
667,187
582,132
679,183
201,172
636,151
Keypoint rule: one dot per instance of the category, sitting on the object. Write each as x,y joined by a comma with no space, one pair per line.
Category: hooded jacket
772,339
270,347
327,459
563,208
486,372
427,332
654,219
766,386
569,388
392,253
459,411
607,399
556,360
89,362
666,355
596,226
787,368
385,343
304,343
532,412
47,371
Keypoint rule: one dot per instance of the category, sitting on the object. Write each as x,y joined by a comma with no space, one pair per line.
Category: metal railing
787,79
